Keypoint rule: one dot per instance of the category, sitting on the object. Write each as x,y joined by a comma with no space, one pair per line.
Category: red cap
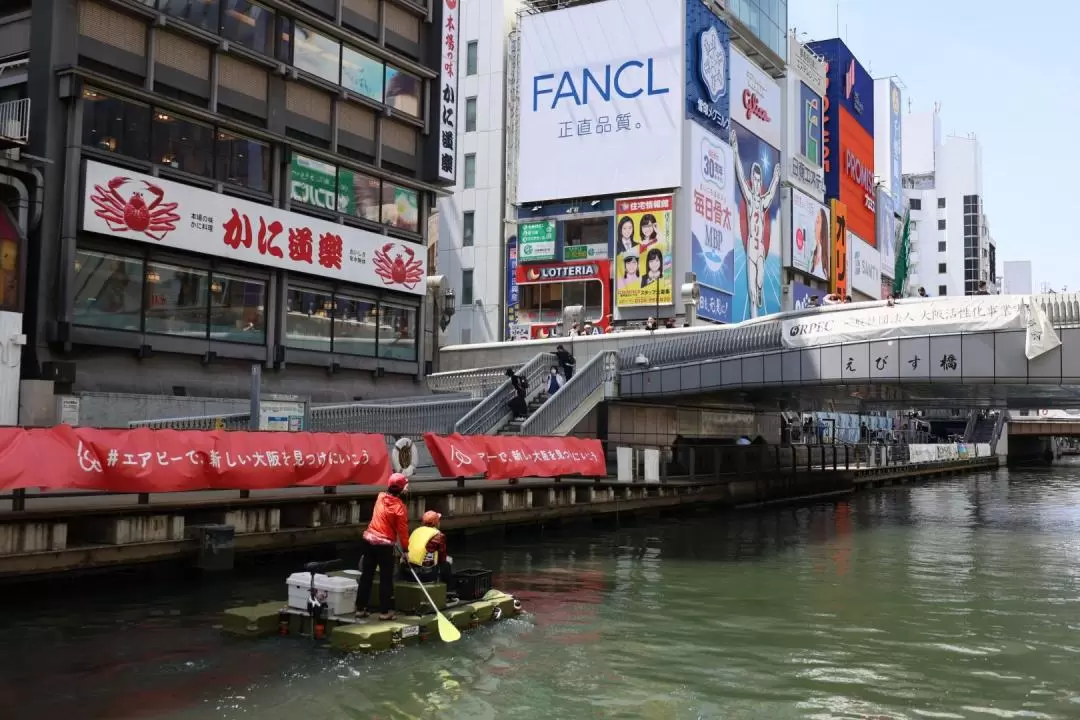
398,482
431,518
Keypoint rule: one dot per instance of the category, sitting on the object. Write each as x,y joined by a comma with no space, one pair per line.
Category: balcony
14,123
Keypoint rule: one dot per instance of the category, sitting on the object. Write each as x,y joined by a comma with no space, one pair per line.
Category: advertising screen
643,235
712,227
887,240
755,99
757,248
810,249
839,280
857,191
601,91
707,68
865,267
895,140
714,306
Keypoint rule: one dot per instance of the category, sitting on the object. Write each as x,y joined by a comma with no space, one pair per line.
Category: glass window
403,91
176,300
400,207
941,246
316,54
466,287
237,309
108,290
469,226
203,13
359,195
243,162
470,115
941,224
313,182
283,48
941,268
182,144
249,24
362,74
941,202
915,204
470,171
397,333
308,315
471,57
942,290
589,231
355,326
544,303
116,125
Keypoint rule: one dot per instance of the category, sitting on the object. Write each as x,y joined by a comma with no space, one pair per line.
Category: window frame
470,102
468,279
943,268
468,228
467,182
351,293
472,58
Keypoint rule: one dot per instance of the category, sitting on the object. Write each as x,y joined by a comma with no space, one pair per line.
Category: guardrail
15,121
491,413
600,370
765,334
478,382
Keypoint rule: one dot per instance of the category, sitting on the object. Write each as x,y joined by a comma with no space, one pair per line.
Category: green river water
958,599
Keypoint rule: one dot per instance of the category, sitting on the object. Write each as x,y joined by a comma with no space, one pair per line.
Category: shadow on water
953,600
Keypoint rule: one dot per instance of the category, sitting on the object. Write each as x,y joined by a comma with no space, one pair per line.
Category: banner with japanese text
501,457
124,204
144,460
643,242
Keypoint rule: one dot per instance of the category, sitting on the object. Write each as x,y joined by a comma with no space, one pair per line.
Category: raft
415,622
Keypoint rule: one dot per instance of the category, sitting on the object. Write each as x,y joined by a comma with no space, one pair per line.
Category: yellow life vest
418,552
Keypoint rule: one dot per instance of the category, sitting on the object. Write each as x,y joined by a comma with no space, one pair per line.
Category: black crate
472,584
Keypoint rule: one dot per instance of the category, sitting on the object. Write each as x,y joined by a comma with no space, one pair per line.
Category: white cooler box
340,592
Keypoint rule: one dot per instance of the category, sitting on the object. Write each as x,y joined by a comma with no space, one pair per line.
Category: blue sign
896,174
801,294
810,125
708,71
714,305
511,285
847,81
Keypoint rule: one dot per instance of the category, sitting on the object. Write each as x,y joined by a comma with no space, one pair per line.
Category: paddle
447,631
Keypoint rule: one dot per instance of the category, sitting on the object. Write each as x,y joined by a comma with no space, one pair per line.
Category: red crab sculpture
402,269
132,213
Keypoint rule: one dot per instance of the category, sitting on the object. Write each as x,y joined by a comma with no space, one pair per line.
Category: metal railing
595,374
491,413
477,382
765,334
999,425
15,121
969,427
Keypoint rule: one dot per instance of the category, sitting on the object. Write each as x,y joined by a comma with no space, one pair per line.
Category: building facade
231,182
944,191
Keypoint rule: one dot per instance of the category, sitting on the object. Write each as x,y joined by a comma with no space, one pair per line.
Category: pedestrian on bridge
566,361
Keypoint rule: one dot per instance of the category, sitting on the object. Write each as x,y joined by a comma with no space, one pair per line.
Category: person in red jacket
389,528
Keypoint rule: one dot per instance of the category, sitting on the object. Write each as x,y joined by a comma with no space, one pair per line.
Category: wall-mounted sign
536,241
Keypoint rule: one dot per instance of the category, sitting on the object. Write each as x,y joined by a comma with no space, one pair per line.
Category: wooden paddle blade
447,630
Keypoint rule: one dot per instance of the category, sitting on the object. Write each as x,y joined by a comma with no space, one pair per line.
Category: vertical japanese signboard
448,91
839,282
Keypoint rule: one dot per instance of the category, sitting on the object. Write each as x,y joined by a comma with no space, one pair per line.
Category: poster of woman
643,238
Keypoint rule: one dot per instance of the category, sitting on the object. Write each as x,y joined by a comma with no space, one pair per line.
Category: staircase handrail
969,428
478,382
999,425
493,411
600,369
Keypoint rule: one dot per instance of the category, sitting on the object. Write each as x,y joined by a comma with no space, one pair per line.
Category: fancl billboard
601,92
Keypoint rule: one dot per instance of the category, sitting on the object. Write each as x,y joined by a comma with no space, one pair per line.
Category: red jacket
389,522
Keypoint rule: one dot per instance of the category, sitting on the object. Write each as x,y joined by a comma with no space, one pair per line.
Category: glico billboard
849,135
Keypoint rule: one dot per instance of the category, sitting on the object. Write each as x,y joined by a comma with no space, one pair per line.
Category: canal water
958,599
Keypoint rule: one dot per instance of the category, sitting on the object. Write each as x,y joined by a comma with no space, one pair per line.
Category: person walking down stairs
554,382
518,405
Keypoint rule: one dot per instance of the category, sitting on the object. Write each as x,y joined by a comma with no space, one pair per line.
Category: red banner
146,460
501,457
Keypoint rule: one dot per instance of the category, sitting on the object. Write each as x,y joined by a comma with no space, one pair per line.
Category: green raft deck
415,621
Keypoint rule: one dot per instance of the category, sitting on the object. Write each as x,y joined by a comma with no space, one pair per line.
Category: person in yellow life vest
427,552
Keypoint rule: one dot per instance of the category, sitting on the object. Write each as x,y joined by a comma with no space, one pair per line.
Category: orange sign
839,284
857,177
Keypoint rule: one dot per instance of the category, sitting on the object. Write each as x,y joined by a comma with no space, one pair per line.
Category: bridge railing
477,382
595,374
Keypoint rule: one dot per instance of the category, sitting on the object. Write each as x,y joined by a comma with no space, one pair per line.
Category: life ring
403,456
1044,413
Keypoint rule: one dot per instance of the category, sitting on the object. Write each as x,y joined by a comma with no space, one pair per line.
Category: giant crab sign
121,214
401,269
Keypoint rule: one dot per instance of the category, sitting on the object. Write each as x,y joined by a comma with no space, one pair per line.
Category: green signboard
536,241
313,182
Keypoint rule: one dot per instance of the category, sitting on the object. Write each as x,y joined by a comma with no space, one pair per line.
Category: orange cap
431,518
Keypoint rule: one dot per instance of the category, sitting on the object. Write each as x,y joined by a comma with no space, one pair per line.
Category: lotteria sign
557,273
591,100
857,177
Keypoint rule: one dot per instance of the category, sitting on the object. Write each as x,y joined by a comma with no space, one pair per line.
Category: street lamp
449,307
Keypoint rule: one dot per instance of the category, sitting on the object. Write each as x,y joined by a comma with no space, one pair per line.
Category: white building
472,227
1017,277
952,249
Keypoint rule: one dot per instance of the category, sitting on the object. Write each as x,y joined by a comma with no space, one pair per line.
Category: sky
1003,73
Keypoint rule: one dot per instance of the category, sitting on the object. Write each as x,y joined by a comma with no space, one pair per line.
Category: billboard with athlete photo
757,244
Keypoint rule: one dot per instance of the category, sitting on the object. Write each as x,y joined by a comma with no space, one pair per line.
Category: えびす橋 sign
125,204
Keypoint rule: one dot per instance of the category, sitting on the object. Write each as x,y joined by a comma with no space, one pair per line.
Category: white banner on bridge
912,318
1041,336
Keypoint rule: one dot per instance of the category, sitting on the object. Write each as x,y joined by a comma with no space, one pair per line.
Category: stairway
984,430
513,427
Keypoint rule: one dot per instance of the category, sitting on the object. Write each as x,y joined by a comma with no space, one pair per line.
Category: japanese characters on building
125,204
448,100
